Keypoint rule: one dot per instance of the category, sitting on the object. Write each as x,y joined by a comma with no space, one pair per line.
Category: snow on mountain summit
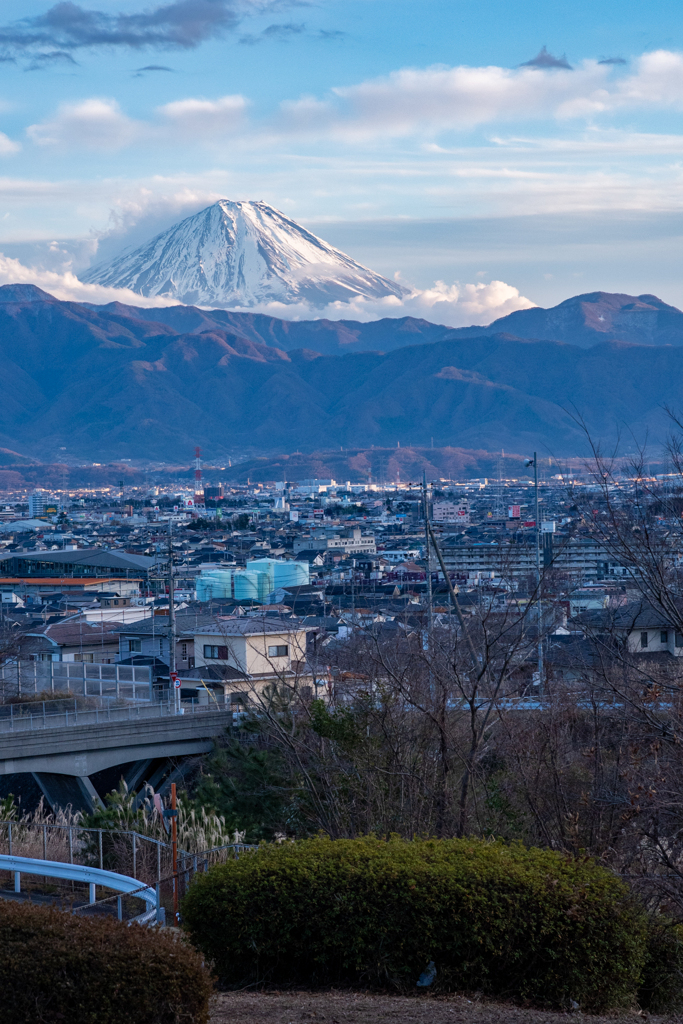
242,254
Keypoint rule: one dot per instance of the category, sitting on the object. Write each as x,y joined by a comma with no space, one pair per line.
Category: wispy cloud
52,59
279,32
184,24
426,101
140,72
331,33
100,124
413,102
204,118
92,124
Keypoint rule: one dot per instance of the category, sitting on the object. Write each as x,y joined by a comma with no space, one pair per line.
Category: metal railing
89,679
59,714
72,851
91,876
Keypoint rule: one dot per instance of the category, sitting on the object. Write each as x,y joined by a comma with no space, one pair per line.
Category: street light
534,462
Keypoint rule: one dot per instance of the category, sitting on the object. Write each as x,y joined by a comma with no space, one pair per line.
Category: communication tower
198,489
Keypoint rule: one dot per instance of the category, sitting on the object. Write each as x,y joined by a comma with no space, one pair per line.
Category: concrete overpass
76,757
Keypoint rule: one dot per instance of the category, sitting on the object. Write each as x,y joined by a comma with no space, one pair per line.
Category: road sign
175,680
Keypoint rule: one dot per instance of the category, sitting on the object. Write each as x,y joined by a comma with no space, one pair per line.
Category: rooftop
251,625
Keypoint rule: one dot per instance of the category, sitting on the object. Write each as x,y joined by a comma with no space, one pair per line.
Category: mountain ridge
591,318
99,383
627,318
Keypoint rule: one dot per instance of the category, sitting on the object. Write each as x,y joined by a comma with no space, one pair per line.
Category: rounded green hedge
57,967
504,919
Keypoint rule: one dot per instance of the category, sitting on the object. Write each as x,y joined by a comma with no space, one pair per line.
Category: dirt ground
359,1008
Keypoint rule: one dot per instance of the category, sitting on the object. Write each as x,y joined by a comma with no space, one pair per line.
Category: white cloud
658,82
202,118
8,146
426,101
92,124
418,102
98,123
437,99
67,287
453,305
133,219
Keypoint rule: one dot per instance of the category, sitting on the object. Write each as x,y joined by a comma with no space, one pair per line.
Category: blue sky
405,133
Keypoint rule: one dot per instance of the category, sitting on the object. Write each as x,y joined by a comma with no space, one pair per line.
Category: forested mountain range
111,382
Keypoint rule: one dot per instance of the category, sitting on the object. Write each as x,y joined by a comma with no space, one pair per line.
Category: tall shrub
505,919
56,967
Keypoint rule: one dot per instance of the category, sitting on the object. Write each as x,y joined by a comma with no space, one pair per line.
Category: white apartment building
37,503
351,542
451,512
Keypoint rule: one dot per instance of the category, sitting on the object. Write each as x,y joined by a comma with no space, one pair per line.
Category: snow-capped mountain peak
241,255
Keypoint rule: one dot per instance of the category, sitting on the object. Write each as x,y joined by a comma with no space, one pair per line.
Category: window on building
278,651
643,638
679,639
83,657
664,636
183,651
135,646
161,645
214,651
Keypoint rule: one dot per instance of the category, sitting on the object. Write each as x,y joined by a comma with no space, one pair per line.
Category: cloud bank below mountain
454,305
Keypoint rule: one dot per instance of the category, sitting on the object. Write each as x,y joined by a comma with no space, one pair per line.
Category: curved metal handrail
80,873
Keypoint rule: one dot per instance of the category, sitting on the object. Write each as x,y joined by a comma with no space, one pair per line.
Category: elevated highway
75,756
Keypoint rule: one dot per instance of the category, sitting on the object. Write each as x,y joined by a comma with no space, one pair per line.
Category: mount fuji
242,255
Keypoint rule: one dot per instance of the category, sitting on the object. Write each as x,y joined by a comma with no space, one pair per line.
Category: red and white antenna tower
198,489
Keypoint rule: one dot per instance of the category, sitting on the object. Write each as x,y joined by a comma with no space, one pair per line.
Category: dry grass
363,1008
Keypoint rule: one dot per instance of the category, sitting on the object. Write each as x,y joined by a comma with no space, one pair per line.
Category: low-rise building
72,641
350,542
151,638
254,651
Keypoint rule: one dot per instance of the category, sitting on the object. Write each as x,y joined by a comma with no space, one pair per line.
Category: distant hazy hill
331,337
378,464
102,384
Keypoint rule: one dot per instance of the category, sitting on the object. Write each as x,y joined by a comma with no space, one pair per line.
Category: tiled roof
70,633
250,625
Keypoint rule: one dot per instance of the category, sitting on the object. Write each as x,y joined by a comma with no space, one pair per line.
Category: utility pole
353,593
539,603
174,854
171,623
430,610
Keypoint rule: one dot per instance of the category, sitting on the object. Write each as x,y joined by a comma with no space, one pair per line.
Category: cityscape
341,512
